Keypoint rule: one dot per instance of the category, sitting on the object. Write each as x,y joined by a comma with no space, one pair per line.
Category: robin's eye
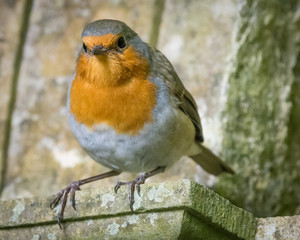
84,47
121,42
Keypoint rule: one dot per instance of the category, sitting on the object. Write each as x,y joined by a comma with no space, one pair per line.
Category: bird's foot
133,185
61,198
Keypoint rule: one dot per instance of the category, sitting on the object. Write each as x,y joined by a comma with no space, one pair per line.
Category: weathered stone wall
11,15
43,155
261,129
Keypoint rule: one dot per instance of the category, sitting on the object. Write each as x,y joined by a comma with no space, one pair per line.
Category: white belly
161,143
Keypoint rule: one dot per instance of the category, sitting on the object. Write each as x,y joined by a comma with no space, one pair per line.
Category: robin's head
111,54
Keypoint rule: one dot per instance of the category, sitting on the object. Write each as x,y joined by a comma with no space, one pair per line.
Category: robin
129,110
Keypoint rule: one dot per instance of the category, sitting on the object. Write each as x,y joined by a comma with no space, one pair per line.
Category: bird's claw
62,197
117,186
133,185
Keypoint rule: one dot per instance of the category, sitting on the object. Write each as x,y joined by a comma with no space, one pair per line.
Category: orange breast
125,105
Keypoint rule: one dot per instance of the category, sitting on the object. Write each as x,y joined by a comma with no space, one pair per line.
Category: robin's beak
99,50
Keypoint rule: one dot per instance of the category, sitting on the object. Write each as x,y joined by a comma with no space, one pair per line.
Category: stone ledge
273,228
172,210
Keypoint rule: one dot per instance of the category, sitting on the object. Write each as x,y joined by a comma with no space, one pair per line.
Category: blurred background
239,59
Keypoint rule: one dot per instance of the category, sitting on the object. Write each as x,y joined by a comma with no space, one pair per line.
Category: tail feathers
210,162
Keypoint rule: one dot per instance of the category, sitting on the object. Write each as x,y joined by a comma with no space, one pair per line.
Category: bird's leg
62,196
135,184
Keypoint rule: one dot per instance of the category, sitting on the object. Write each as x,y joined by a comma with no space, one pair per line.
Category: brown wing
184,99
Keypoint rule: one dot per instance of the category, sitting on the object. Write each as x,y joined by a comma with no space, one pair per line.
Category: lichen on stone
106,198
158,194
152,217
113,228
17,210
